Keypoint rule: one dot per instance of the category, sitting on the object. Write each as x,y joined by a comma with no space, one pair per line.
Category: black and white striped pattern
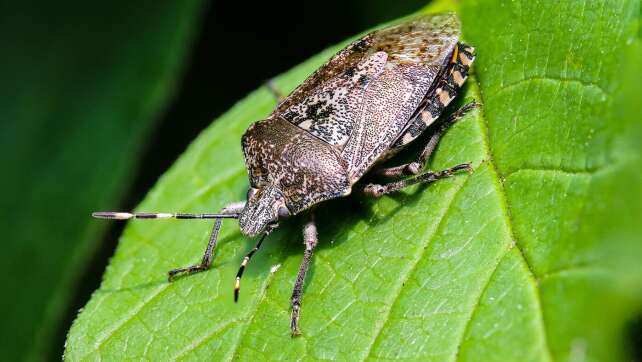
117,215
246,260
445,90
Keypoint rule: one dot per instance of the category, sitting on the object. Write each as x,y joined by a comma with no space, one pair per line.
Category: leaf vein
560,80
404,278
251,313
476,305
129,317
560,171
483,123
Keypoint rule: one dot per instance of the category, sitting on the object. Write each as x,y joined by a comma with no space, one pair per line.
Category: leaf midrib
498,186
505,208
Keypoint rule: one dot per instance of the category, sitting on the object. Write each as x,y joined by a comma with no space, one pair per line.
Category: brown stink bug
360,108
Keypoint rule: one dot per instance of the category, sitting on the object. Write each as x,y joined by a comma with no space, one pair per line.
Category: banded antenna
206,261
246,260
159,215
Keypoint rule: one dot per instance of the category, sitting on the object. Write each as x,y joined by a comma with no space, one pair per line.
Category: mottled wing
327,103
418,52
363,97
329,112
345,59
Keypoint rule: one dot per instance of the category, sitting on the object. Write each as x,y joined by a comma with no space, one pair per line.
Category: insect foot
174,273
414,168
294,322
374,190
449,172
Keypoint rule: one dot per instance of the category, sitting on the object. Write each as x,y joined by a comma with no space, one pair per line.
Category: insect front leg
310,241
414,168
206,261
377,190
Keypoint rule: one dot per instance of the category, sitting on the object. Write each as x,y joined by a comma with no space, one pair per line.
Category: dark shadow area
634,338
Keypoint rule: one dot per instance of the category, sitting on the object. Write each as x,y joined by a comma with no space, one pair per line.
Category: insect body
360,108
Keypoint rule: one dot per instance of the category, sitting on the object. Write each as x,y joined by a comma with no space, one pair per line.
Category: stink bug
361,107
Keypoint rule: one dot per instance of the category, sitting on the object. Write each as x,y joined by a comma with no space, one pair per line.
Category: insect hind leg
378,190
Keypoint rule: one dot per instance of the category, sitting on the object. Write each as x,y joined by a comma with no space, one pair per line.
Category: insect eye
251,192
283,212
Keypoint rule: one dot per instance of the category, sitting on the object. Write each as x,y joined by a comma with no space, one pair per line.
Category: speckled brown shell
345,117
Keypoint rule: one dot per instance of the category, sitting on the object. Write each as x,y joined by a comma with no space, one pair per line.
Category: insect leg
413,168
310,240
377,190
206,261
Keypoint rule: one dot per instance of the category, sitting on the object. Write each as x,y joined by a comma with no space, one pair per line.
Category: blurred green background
96,101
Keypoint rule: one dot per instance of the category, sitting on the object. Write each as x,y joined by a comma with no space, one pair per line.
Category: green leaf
82,84
515,261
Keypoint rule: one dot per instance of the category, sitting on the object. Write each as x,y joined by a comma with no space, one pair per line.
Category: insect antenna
246,260
159,215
